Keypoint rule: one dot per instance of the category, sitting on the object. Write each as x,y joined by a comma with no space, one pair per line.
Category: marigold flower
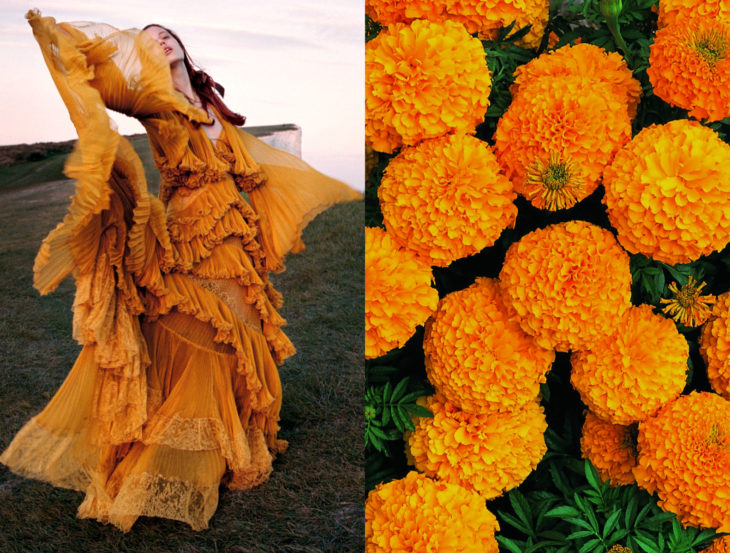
687,306
668,192
715,346
671,11
445,198
398,293
478,358
611,449
478,16
617,548
558,135
489,453
588,61
423,80
568,284
689,67
684,456
487,17
628,375
720,545
417,513
387,12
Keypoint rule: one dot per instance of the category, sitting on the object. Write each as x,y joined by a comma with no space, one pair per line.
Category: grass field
313,501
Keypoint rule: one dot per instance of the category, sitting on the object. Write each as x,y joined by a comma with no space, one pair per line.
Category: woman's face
171,47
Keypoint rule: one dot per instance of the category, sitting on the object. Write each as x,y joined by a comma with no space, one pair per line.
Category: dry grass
313,502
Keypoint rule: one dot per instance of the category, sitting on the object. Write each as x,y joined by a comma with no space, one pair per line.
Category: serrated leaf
646,544
385,419
413,396
579,534
611,523
582,523
387,390
563,511
512,521
589,545
509,544
400,389
416,409
405,418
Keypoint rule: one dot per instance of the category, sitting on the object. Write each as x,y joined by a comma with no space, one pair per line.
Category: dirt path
44,192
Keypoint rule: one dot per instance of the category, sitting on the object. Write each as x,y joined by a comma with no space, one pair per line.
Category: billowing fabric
176,388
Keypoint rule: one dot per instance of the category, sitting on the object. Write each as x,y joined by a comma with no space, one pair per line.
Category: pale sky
281,61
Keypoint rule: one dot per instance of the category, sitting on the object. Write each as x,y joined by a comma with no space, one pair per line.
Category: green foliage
388,409
582,515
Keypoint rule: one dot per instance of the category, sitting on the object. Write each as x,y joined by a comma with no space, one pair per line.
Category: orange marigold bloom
671,11
668,192
684,456
416,513
387,12
715,346
687,306
628,375
446,198
489,453
423,80
689,67
398,293
591,62
478,16
477,357
558,135
488,17
611,449
568,284
720,545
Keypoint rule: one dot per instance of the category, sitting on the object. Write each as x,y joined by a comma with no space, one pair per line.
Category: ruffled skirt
205,425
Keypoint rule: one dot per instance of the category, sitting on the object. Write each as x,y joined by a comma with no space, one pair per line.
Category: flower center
711,45
688,306
553,185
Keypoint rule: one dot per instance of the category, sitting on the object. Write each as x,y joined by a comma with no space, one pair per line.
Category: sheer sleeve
113,239
287,197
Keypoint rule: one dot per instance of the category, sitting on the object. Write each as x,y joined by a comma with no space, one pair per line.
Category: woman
176,388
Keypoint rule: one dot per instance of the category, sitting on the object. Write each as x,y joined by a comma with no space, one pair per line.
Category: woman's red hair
210,92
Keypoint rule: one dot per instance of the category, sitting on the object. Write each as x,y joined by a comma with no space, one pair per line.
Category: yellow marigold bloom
558,135
416,514
610,448
591,62
668,192
423,80
445,198
689,67
684,456
675,10
477,357
687,306
487,17
398,293
387,12
568,284
489,453
715,346
720,545
628,375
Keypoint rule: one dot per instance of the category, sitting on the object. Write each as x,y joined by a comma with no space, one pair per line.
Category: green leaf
509,519
611,523
385,419
589,545
387,390
413,396
656,521
703,536
582,523
416,409
646,544
522,509
400,389
579,534
509,544
563,511
378,432
405,418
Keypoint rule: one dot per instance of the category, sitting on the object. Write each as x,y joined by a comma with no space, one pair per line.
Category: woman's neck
181,81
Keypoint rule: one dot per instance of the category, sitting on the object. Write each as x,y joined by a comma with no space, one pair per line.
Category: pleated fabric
176,389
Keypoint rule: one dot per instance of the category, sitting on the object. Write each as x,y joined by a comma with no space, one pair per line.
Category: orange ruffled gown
176,388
